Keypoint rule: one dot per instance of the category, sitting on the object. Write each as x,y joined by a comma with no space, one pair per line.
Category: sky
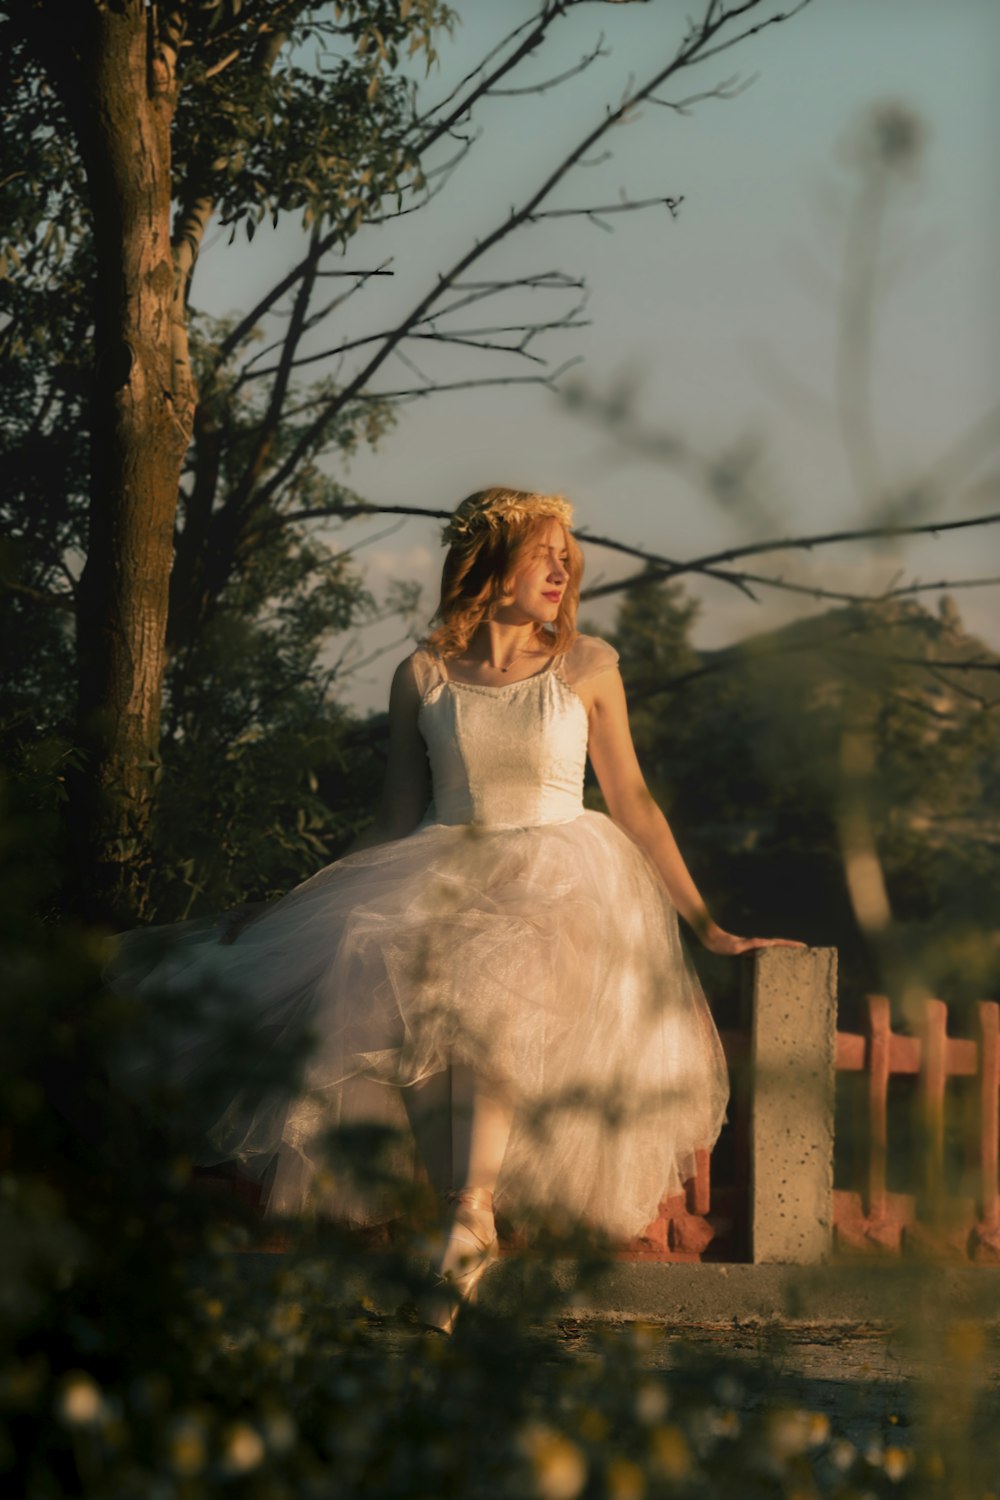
720,323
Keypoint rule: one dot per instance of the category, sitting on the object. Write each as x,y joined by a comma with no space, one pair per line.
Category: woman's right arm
406,789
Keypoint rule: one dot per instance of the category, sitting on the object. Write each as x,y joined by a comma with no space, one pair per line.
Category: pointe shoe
460,1283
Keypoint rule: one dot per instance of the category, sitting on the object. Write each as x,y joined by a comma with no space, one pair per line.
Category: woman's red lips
554,595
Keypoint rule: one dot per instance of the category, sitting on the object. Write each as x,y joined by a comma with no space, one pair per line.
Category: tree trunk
121,99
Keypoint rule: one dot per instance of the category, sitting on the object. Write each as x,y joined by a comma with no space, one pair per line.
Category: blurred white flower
842,1454
651,1402
280,1431
789,1432
80,1403
243,1448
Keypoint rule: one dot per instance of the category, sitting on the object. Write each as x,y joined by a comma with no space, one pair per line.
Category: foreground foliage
144,1353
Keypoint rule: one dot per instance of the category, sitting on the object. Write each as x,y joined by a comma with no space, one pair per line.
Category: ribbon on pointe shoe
462,1284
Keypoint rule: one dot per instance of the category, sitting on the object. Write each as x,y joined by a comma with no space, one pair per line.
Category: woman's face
536,588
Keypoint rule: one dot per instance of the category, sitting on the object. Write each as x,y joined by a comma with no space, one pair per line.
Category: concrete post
793,993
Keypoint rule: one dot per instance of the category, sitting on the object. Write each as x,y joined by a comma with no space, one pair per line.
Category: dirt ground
866,1382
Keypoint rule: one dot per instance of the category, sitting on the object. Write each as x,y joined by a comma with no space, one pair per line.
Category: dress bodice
512,755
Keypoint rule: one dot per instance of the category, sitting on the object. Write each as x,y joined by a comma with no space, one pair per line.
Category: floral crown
494,509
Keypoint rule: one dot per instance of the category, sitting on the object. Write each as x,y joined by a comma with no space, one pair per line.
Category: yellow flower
625,1480
966,1341
593,1425
559,1468
671,1456
186,1447
896,1463
819,1428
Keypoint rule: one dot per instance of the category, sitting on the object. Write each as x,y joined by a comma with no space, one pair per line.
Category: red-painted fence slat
937,1220
904,1054
851,1052
961,1058
932,1077
878,1093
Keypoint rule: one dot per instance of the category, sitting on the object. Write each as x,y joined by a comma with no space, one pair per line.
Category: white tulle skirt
547,958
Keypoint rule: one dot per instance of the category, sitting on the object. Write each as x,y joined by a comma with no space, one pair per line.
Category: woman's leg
481,1118
461,1124
428,1107
478,1118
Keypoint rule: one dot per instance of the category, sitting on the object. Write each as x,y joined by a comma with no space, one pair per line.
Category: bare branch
340,671
444,173
312,319
661,569
737,11
59,598
815,591
723,661
479,291
361,275
729,88
971,664
413,393
468,338
692,50
599,50
825,640
538,28
956,685
270,422
673,204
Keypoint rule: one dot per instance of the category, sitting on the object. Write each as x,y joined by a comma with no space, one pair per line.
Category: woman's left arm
631,805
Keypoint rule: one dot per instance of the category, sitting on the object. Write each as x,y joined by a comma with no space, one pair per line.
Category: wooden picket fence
921,1117
950,1206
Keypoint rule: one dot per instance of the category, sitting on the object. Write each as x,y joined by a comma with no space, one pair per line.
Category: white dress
514,931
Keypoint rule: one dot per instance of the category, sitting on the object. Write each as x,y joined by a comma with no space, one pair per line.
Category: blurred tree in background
208,458
745,747
128,127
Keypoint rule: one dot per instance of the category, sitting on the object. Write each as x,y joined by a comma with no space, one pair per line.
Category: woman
506,963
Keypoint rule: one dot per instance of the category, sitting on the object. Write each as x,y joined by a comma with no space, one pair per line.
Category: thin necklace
513,660
525,652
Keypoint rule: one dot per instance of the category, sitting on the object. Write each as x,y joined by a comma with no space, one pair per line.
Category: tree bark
121,98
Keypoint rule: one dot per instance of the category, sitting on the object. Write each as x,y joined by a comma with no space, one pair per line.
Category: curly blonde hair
486,538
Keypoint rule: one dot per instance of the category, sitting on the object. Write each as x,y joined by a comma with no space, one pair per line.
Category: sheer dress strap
428,669
587,657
